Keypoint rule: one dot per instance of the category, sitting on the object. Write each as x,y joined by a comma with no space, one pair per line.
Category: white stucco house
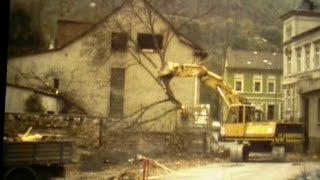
110,69
301,72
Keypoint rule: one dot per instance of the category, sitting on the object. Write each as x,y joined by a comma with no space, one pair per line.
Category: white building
301,82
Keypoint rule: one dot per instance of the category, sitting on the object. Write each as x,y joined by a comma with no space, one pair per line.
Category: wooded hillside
215,24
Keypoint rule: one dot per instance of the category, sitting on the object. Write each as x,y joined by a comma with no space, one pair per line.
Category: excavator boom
211,79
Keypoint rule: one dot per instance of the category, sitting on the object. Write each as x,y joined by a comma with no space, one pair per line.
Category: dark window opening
249,114
270,114
149,41
56,83
319,112
117,92
257,86
270,87
50,112
233,115
240,120
238,86
119,41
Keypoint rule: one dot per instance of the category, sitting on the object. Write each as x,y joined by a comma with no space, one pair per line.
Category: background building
257,77
301,82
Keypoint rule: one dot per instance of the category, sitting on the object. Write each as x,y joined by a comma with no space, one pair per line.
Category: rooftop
254,60
305,8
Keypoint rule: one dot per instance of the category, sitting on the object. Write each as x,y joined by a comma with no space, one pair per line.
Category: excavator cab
241,114
238,116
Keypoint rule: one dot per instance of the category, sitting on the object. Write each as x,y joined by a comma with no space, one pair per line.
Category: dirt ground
135,169
99,165
93,165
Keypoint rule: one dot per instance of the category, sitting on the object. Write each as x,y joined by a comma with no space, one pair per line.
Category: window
319,112
119,41
281,110
307,57
117,92
298,60
239,85
238,82
149,41
233,115
240,120
289,64
250,114
317,54
49,112
271,84
289,97
288,31
257,83
56,83
270,112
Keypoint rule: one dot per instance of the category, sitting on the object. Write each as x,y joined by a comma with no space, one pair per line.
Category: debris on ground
99,166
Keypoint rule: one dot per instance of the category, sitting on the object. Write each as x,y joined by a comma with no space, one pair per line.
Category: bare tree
97,47
99,51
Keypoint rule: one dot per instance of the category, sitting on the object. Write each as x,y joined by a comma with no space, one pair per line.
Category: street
252,170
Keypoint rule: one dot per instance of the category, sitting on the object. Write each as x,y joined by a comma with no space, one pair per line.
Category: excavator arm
211,79
238,125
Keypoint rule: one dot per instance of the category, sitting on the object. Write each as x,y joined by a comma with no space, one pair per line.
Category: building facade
111,69
257,76
301,59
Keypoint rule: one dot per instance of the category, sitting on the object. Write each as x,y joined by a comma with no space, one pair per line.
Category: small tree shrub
33,104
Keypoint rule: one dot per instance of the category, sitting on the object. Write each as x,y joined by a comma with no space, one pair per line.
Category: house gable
66,38
84,67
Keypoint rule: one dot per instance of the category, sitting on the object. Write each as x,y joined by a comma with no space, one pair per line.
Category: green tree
272,34
23,35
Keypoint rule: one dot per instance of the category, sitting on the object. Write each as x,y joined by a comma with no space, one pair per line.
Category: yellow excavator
240,125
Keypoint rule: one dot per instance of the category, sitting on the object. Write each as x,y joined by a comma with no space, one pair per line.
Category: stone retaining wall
89,132
156,142
84,130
